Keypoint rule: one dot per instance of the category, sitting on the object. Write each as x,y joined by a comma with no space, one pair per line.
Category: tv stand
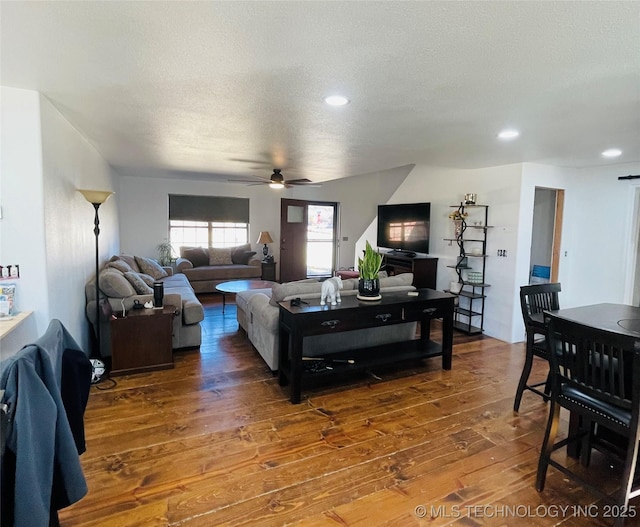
402,252
424,268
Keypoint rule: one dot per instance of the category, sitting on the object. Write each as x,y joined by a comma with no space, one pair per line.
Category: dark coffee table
235,286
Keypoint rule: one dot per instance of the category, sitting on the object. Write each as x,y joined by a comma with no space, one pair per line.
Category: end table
269,271
141,341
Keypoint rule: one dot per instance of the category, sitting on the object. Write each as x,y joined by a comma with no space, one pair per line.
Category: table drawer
417,312
346,320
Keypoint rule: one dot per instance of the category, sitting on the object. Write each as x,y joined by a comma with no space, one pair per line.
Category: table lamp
265,238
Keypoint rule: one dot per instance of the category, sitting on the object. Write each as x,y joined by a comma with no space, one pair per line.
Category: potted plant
369,267
165,254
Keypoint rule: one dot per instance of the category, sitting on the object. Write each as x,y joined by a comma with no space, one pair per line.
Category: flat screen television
404,227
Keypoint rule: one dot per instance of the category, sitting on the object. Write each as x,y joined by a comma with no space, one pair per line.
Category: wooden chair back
594,363
538,298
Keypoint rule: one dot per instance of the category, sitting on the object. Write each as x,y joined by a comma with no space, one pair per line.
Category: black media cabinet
424,268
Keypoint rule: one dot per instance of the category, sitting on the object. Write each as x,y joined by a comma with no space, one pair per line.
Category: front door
293,240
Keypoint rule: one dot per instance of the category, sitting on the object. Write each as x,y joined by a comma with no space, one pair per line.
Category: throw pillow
120,265
147,279
150,267
138,283
242,257
198,256
131,260
114,284
220,256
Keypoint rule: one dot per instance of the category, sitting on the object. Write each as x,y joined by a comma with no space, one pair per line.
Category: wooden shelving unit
472,257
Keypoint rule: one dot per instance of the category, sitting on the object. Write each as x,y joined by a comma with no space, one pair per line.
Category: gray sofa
206,268
126,279
258,316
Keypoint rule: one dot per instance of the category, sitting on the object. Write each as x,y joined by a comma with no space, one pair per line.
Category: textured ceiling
235,88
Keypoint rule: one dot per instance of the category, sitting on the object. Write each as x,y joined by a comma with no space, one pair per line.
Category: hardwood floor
215,441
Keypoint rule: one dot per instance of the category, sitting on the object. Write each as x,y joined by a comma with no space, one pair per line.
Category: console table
300,321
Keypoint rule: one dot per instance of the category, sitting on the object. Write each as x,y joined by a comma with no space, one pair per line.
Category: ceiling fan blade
254,161
257,181
304,181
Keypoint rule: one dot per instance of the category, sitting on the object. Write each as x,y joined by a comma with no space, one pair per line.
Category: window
208,221
320,240
207,233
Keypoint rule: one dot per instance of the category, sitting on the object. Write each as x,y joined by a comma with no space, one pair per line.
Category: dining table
622,319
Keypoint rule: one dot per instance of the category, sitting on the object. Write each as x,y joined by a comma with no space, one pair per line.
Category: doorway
544,257
308,234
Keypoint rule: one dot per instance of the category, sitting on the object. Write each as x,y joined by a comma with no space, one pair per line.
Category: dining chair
534,300
592,373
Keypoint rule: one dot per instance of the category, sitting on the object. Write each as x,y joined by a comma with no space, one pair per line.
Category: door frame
557,235
306,203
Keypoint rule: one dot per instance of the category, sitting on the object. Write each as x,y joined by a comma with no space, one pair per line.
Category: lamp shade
96,196
264,237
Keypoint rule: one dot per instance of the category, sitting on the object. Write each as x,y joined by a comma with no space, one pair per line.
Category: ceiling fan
277,181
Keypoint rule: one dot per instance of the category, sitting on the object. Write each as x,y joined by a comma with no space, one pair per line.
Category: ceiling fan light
276,185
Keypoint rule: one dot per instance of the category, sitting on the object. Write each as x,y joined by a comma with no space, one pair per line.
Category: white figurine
331,289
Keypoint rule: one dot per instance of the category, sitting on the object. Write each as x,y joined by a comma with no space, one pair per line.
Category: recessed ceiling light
506,135
612,152
336,100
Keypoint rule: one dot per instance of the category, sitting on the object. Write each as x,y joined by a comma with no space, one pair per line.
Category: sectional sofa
126,280
258,315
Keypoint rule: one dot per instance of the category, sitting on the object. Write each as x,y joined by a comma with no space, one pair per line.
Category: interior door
547,235
293,239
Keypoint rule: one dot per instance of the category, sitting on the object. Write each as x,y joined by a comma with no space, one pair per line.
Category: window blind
208,208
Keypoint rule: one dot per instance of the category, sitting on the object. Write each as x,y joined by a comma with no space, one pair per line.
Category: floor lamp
97,198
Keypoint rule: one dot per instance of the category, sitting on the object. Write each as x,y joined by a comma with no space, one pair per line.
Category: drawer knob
383,316
330,323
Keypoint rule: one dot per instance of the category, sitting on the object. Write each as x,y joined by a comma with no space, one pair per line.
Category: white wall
22,238
69,162
598,236
47,227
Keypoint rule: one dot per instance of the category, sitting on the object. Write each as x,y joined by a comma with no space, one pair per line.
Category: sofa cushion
192,310
150,267
300,287
397,280
114,284
198,256
222,272
138,283
120,265
220,256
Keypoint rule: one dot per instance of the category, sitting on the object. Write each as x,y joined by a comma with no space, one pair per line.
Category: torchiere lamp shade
96,196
